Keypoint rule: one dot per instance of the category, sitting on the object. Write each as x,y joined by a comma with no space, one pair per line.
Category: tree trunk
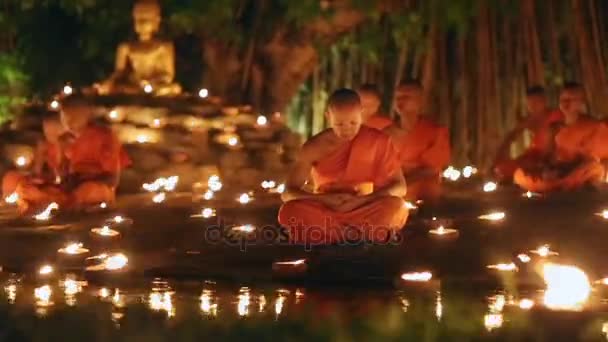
532,44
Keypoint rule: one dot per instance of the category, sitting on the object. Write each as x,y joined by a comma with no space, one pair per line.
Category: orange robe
581,144
95,152
378,122
536,150
49,152
426,145
369,157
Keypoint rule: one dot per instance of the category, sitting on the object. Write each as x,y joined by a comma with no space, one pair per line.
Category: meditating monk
574,157
93,154
371,101
424,146
357,180
46,159
538,123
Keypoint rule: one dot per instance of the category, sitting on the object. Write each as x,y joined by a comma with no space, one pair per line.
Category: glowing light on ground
148,89
206,213
55,104
45,215
162,183
246,228
43,295
207,307
208,195
67,89
494,216
214,183
12,198
442,231
116,262
162,302
104,293
244,198
526,304
105,231
568,287
544,251
203,93
261,121
503,267
417,276
159,198
451,173
525,258
469,171
113,115
45,270
233,141
243,303
490,187
292,262
74,249
493,321
21,161
268,184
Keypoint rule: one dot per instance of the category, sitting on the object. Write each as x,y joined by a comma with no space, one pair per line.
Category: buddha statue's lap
147,65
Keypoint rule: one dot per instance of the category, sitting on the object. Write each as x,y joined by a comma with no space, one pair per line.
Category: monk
538,123
424,146
46,159
93,154
371,101
576,151
357,180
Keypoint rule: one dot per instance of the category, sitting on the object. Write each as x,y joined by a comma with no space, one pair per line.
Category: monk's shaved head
408,100
345,113
371,99
535,91
536,100
76,112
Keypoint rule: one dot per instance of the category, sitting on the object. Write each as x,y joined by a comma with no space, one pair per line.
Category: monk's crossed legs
311,222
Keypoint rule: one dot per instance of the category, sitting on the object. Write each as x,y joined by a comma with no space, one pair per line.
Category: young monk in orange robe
359,186
423,145
538,122
94,157
577,150
371,101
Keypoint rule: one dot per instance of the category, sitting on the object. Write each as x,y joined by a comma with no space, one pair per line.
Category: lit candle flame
55,104
162,302
115,262
291,262
203,93
278,305
105,231
142,138
156,123
113,115
511,267
159,198
441,231
208,195
493,321
11,293
45,270
43,295
262,121
451,173
469,171
525,258
214,183
12,198
67,89
603,214
46,213
490,187
104,292
74,249
244,198
21,161
243,303
568,287
233,141
148,89
268,184
544,251
103,205
208,212
417,276
495,216
410,205
207,307
246,228
530,194
526,304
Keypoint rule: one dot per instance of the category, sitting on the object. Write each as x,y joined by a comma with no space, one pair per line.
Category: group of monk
359,168
77,163
362,169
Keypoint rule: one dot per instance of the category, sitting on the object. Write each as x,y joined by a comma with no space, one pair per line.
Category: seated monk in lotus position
371,101
358,183
576,150
424,146
47,158
538,123
93,154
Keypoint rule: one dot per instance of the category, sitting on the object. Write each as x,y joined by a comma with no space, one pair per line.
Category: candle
67,89
113,115
244,198
490,187
115,262
268,184
544,251
244,301
203,93
103,205
12,198
73,249
206,213
206,306
568,287
495,216
451,173
246,228
530,194
148,89
526,304
208,195
105,231
159,198
43,295
46,213
441,231
233,141
603,214
156,123
511,267
21,161
45,270
104,292
261,121
410,206
493,321
417,276
55,104
214,183
469,171
162,302
524,258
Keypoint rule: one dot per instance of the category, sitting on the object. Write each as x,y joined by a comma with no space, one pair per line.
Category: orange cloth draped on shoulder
426,145
378,122
50,155
536,150
369,157
578,149
95,152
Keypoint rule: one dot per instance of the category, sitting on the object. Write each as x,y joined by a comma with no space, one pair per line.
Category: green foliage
13,86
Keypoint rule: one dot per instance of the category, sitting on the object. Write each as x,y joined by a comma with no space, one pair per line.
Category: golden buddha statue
147,65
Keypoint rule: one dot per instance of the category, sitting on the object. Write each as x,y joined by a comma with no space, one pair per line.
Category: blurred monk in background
424,146
371,101
538,122
576,150
45,172
358,183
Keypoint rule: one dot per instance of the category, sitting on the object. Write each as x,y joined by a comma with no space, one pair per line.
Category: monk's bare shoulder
314,147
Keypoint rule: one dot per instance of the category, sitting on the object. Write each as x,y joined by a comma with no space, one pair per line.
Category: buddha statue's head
146,15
